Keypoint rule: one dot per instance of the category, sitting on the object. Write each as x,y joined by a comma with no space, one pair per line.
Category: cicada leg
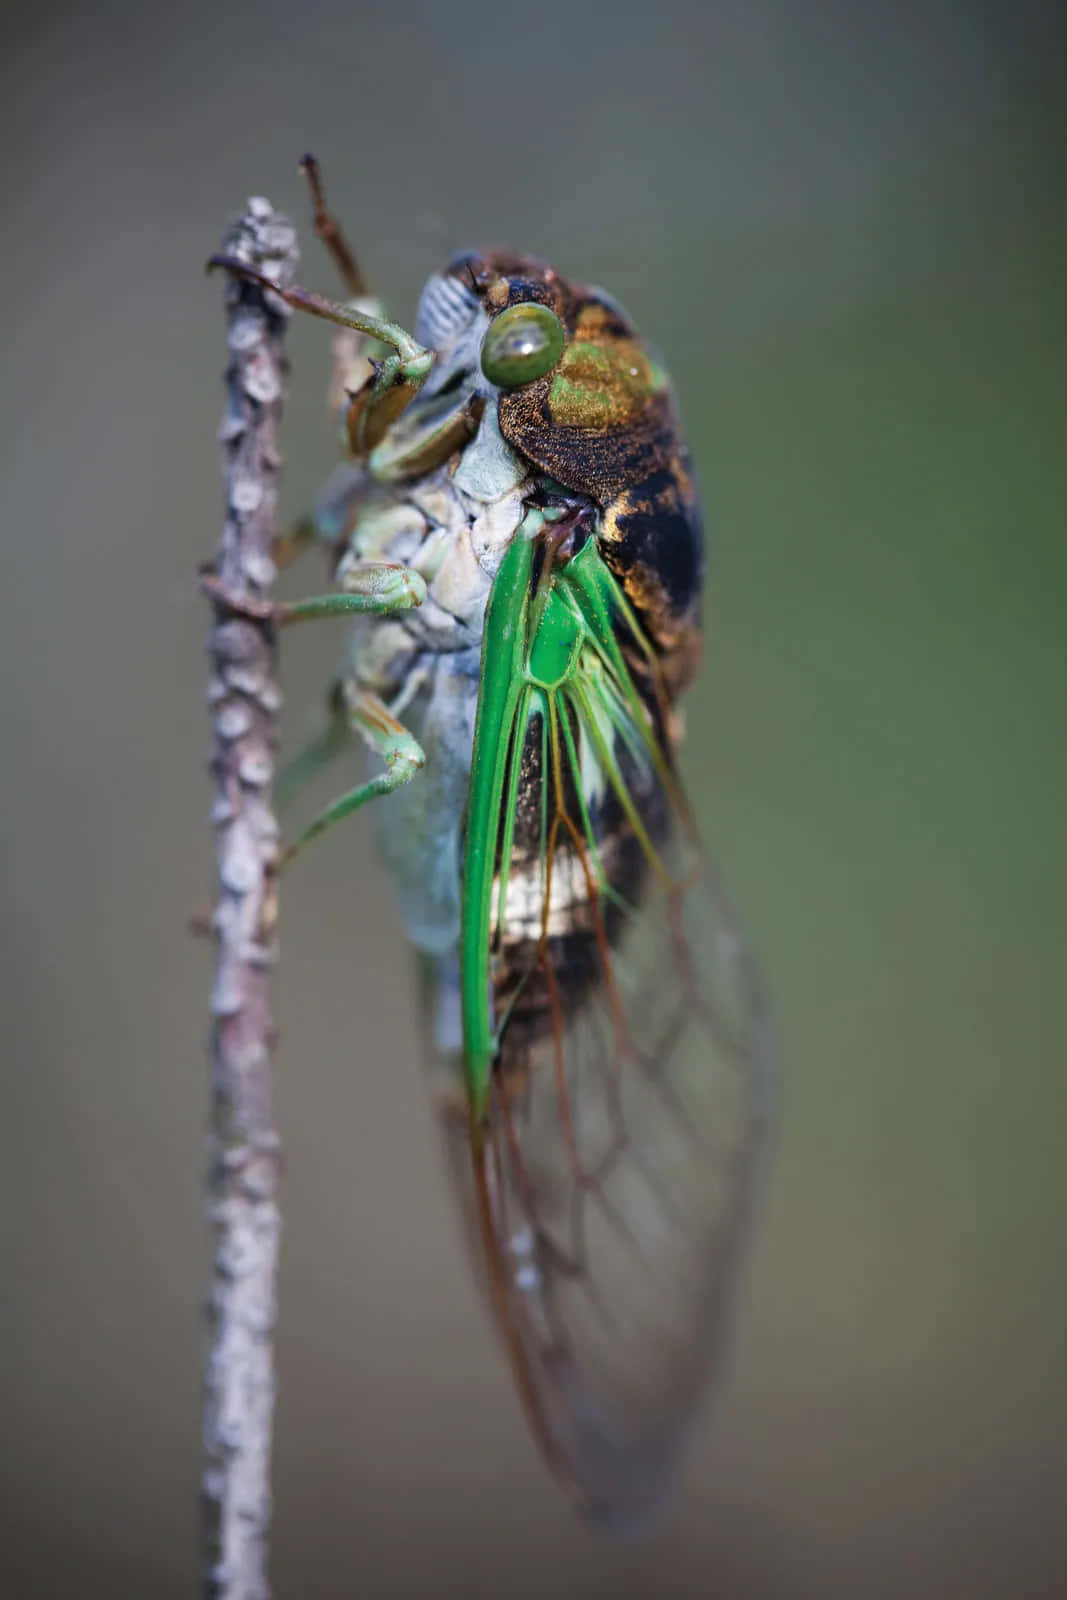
375,587
380,588
396,380
330,232
398,748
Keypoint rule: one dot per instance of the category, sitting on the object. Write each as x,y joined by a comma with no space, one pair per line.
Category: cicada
519,534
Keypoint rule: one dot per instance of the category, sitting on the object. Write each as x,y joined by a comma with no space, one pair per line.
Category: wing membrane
625,1128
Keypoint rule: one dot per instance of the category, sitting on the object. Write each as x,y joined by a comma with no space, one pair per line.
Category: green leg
377,587
399,749
397,379
374,587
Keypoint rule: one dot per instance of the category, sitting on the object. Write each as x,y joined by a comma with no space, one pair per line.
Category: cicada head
569,381
579,394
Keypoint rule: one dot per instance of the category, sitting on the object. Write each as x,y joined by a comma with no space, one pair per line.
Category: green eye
523,343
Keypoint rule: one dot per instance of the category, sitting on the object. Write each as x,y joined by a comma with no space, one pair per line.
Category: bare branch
244,1157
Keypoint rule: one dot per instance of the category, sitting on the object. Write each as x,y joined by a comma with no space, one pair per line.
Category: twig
245,1149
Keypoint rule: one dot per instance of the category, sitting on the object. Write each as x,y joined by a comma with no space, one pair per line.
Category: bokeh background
844,226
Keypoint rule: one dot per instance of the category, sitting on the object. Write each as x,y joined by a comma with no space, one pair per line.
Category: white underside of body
453,527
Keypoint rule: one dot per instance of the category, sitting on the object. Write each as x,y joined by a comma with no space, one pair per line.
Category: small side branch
244,1146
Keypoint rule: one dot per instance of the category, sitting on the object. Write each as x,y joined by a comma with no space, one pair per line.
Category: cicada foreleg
396,381
398,748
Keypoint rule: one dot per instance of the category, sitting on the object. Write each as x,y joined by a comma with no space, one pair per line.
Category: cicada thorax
603,423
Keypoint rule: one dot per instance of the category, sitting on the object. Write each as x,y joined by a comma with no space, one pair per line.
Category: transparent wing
629,1105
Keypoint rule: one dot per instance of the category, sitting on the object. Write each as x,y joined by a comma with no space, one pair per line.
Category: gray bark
244,1146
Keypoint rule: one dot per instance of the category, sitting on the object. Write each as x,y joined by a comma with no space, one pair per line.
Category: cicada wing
611,1155
624,1144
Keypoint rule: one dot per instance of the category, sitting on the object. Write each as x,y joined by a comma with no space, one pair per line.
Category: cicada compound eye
523,343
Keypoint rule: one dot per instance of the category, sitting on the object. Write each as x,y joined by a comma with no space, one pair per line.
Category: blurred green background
844,227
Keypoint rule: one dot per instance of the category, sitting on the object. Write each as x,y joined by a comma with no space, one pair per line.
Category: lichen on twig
244,1146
